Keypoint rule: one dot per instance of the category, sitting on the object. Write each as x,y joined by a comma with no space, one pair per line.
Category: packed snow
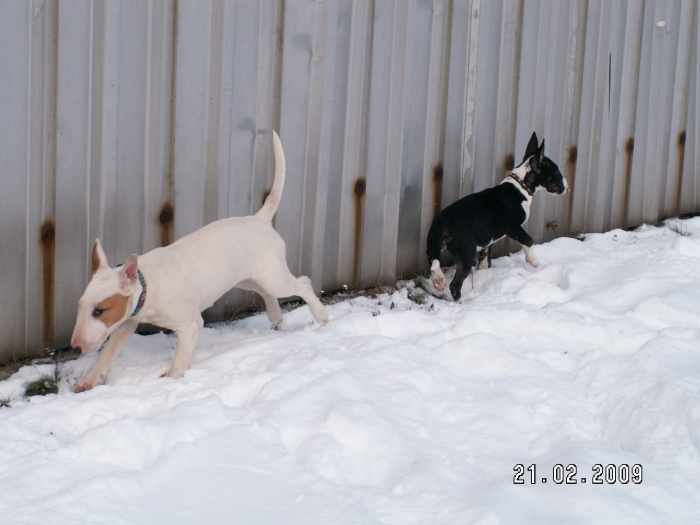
406,409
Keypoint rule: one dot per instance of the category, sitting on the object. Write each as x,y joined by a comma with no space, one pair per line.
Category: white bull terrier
169,287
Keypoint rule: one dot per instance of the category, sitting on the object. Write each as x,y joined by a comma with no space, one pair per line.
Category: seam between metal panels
88,123
358,241
170,171
29,233
147,122
280,63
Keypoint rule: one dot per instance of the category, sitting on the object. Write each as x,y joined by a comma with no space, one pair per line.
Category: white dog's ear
129,274
99,259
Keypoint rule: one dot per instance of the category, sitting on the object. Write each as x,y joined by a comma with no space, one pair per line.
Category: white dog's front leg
115,344
186,341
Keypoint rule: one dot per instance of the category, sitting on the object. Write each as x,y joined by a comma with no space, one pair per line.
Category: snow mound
407,408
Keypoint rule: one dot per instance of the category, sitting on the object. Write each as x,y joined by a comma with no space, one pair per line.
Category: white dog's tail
269,208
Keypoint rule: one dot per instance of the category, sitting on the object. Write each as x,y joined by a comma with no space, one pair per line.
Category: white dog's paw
322,317
82,386
175,373
86,384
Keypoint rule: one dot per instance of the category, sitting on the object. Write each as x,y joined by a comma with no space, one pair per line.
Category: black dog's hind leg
465,261
436,240
461,272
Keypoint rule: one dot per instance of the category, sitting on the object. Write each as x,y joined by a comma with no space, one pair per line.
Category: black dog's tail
436,238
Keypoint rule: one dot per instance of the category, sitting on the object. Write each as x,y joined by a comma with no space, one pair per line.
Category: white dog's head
106,303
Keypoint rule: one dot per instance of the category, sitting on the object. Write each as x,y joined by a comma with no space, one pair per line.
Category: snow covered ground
405,409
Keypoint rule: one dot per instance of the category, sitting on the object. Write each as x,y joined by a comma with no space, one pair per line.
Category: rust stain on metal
571,164
437,188
166,219
629,152
47,237
681,162
359,195
509,162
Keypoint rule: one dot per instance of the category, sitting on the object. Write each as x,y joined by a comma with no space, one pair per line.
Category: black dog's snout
558,186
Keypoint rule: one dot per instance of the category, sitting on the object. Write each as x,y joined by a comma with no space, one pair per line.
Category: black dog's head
543,171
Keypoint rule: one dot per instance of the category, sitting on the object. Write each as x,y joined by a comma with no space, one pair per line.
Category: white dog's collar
142,297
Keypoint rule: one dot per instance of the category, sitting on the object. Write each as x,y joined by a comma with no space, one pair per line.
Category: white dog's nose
75,341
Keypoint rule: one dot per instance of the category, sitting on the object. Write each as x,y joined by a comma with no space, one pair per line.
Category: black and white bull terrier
478,220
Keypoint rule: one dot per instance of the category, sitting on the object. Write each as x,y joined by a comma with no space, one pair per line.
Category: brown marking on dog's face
111,310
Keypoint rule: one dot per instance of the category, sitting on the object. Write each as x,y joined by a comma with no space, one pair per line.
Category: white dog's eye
97,312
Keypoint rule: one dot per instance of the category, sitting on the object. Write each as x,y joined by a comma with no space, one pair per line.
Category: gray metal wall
139,121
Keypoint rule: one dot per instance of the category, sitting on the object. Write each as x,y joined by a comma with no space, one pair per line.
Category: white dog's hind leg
306,292
272,308
272,305
281,283
116,343
278,281
186,341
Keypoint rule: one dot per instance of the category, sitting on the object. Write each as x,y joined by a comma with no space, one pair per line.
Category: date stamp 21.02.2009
569,474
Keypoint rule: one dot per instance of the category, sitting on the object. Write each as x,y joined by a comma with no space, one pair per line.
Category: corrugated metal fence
139,121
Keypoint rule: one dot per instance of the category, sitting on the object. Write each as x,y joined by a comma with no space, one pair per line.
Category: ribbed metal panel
140,121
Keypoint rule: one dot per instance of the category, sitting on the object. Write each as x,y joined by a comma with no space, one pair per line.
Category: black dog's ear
540,153
531,147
